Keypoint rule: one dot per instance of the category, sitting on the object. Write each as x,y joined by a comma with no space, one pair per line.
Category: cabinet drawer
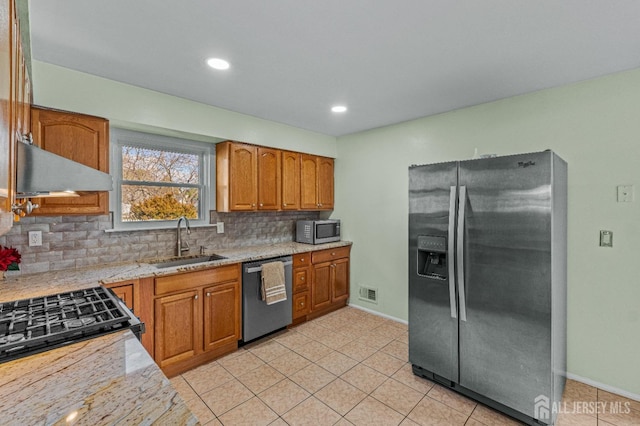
189,280
300,304
303,259
300,279
330,254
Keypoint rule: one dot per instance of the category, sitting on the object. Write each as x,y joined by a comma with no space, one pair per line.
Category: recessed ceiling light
339,108
217,63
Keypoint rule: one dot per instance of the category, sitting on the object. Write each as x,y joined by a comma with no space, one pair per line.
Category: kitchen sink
185,260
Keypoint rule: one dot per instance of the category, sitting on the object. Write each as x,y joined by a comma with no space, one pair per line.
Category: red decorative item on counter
9,259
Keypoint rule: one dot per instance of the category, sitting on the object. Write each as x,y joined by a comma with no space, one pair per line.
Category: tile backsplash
70,242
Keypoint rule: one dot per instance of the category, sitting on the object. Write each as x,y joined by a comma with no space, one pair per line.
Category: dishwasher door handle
259,268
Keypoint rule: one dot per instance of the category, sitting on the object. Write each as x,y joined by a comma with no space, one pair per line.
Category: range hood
41,173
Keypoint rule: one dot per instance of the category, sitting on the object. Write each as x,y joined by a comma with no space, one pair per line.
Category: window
158,179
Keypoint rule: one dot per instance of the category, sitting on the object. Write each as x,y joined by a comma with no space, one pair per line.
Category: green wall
595,127
135,108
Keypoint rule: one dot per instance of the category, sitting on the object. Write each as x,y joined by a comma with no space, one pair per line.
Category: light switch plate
220,227
625,193
606,239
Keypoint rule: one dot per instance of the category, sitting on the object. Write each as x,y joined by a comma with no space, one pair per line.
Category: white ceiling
387,60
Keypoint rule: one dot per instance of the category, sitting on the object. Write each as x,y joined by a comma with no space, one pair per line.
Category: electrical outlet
220,226
35,238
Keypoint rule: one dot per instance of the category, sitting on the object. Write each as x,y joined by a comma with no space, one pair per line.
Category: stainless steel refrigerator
487,280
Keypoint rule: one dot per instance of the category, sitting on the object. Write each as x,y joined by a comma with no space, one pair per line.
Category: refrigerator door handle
451,252
462,204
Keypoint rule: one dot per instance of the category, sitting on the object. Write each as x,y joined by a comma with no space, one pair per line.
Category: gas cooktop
34,325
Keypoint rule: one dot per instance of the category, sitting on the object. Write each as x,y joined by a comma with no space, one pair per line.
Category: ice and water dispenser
432,257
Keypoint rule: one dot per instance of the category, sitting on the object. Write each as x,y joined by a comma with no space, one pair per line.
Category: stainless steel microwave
317,231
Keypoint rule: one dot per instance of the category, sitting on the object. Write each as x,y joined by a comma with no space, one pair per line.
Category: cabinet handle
333,253
253,205
195,297
284,204
261,204
301,278
208,294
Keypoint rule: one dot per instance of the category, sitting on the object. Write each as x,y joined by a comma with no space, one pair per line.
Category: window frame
206,153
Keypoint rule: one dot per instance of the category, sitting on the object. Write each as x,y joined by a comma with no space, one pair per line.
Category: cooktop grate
28,325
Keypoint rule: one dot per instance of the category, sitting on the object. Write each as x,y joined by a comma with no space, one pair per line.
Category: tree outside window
159,184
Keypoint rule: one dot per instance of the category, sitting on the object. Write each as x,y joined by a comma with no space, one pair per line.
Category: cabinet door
325,183
340,280
177,328
7,141
125,293
268,179
221,315
308,182
81,138
290,180
321,286
243,177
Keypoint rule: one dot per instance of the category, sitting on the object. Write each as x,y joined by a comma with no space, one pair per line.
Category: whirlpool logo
541,407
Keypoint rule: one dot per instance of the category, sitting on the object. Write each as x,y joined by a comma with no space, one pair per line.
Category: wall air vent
369,294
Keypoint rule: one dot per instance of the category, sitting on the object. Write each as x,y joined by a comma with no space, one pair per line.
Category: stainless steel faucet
180,249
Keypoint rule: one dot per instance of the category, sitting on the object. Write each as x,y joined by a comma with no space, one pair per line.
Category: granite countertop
106,380
35,285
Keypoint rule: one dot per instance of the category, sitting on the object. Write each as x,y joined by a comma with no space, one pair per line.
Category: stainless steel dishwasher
258,318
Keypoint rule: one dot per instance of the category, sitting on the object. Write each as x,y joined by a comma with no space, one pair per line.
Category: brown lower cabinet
124,290
301,284
192,318
137,295
196,317
320,282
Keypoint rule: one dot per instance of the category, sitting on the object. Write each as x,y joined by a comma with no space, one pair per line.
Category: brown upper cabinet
290,180
81,138
253,178
269,172
236,176
15,94
316,187
248,177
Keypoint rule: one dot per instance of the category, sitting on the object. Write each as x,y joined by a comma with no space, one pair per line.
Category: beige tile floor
350,367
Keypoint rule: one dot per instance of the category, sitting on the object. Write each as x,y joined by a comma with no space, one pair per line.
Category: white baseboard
379,314
603,386
571,376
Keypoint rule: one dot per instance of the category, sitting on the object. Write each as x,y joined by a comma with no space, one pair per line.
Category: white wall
595,127
134,108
